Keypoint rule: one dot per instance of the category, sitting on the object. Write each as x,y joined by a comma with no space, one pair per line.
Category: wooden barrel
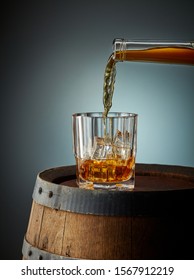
154,221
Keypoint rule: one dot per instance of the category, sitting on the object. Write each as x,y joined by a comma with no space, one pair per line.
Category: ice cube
102,148
122,138
121,144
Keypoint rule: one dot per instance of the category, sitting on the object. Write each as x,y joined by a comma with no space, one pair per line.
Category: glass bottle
153,51
143,51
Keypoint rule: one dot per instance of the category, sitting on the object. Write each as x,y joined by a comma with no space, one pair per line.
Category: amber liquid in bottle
173,55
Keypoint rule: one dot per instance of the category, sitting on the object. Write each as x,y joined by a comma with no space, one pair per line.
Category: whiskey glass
105,150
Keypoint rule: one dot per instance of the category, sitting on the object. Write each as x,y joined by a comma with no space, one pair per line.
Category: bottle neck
122,46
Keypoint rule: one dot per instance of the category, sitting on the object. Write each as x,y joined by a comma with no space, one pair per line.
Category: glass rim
110,115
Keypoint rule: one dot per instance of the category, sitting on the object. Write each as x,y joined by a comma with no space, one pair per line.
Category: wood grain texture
80,236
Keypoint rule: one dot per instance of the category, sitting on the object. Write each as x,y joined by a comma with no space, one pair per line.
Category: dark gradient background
52,65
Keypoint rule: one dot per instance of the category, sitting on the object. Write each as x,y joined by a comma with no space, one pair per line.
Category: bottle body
154,51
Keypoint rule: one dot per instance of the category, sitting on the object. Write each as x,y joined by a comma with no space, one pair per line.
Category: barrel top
148,177
159,190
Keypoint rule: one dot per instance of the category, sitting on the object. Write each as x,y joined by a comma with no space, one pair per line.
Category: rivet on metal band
32,253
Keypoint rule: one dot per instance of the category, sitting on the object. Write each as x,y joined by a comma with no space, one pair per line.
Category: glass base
121,186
